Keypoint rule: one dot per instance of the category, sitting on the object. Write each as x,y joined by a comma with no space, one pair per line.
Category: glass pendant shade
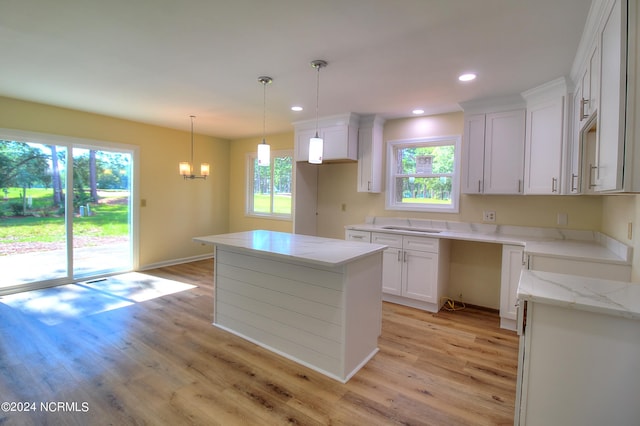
264,150
264,154
316,147
316,144
204,169
185,169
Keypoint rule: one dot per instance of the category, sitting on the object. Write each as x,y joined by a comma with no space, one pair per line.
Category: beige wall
238,220
176,210
338,186
474,268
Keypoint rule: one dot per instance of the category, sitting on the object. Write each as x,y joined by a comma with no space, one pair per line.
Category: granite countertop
317,250
560,243
618,298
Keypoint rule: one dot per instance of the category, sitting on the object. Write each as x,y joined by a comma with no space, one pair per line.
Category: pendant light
316,143
264,150
186,168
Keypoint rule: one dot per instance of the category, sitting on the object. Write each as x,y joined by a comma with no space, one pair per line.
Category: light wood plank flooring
162,362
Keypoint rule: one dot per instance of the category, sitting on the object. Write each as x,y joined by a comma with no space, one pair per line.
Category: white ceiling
159,61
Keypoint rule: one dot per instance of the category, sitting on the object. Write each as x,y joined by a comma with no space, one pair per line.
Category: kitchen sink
408,228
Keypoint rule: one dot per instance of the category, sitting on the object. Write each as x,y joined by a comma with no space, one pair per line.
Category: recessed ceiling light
417,111
467,77
296,108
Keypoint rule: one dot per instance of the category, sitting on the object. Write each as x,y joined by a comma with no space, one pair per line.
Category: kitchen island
316,301
579,359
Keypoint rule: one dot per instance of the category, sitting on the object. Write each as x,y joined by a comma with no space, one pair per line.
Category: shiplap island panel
314,300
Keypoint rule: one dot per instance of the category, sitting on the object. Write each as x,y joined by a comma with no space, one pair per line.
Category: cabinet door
504,152
611,123
511,267
593,82
420,275
473,154
573,178
356,235
392,271
544,144
370,158
302,144
339,144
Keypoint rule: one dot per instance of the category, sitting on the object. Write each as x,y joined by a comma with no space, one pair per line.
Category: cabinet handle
519,186
399,255
583,102
405,257
574,182
369,186
554,184
357,237
591,169
524,261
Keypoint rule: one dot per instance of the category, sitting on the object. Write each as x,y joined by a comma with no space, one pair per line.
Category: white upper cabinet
370,154
340,135
574,175
493,150
610,144
589,84
545,137
473,154
609,126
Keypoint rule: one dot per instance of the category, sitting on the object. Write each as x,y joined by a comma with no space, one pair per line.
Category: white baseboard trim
176,262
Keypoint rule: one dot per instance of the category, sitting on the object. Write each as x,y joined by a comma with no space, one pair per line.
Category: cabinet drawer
355,235
421,244
392,240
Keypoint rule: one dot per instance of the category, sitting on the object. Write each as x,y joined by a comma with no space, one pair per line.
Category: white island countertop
302,248
617,298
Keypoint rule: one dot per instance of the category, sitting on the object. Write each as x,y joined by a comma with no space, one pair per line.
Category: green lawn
425,201
281,204
107,220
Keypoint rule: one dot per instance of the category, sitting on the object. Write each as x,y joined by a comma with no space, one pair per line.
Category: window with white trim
269,188
423,174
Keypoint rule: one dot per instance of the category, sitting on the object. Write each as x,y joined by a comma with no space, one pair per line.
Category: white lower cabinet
414,269
356,235
577,367
512,264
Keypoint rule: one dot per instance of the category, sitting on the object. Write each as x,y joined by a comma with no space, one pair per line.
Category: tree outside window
270,187
423,174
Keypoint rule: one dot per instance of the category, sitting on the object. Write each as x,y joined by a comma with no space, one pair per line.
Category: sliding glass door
66,212
102,212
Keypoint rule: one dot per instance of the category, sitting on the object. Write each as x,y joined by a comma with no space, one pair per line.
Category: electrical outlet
563,219
488,216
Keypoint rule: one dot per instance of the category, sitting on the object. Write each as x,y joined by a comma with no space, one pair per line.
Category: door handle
583,102
574,181
591,169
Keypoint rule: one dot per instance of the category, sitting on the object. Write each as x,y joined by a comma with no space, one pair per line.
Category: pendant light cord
264,111
317,96
192,165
